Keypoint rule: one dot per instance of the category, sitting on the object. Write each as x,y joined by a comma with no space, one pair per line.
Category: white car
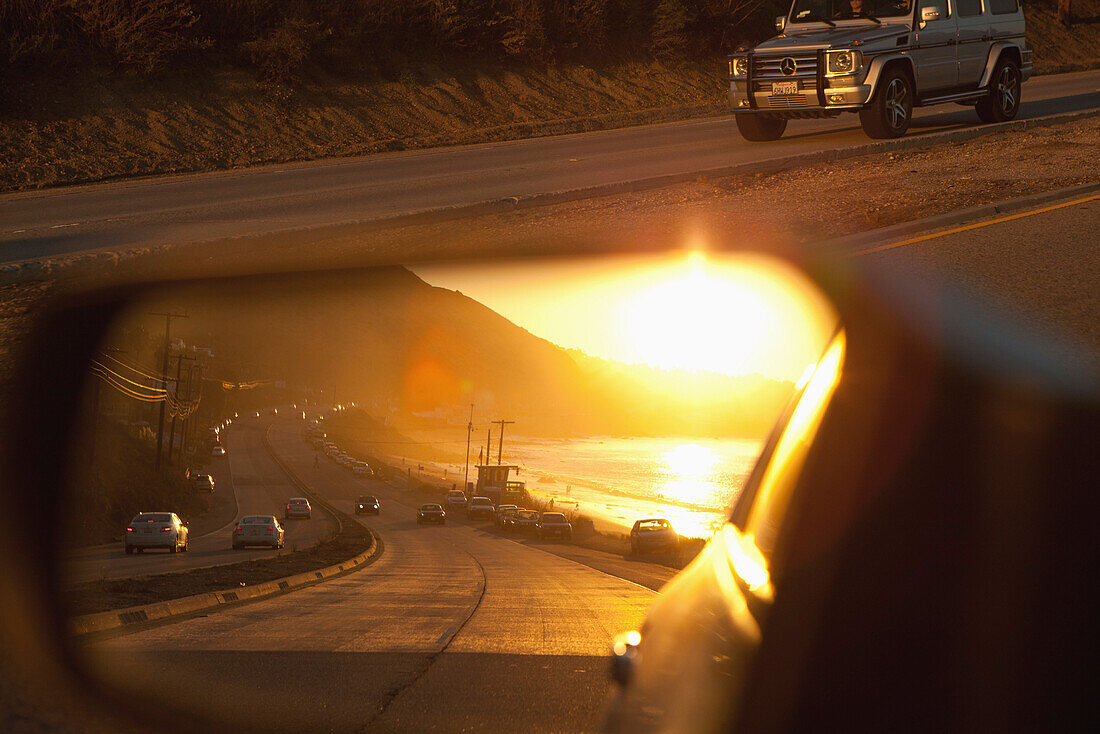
219,450
479,507
156,530
456,498
258,530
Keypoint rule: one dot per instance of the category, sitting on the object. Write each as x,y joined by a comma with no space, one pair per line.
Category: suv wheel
1003,101
891,110
759,129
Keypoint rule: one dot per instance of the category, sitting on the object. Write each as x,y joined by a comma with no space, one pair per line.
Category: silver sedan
258,530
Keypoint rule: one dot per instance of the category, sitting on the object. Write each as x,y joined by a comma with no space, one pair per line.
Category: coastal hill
401,347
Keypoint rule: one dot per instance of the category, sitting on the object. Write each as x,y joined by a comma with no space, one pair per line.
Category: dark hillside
389,340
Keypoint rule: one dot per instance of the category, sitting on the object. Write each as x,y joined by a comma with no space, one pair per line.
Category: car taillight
129,530
239,528
165,530
270,527
288,507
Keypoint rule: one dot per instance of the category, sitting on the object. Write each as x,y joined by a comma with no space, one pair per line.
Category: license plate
784,88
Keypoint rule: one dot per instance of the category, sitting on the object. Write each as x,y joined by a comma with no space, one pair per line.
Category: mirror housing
780,23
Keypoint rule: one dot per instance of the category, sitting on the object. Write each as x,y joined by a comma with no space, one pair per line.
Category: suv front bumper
838,94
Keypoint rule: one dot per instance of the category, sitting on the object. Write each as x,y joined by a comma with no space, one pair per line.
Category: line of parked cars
510,518
319,440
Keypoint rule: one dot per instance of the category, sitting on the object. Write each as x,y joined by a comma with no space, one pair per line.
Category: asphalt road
453,628
1039,271
260,487
283,198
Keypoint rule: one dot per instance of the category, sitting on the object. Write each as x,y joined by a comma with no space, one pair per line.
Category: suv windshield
805,11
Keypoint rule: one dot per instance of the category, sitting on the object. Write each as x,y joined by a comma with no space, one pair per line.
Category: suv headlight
739,67
842,62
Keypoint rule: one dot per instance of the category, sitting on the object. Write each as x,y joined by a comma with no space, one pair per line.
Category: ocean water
615,481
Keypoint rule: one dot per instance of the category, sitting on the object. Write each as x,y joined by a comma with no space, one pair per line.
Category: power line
144,371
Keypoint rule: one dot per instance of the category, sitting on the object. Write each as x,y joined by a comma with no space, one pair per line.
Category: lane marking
976,225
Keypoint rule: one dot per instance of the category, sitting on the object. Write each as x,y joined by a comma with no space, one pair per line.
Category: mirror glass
277,518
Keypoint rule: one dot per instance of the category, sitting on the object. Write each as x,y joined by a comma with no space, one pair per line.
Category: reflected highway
284,198
451,625
261,488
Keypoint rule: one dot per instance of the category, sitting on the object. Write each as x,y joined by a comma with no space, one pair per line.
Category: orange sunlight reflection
733,314
689,468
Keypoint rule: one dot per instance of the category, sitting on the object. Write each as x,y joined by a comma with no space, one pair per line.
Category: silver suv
881,58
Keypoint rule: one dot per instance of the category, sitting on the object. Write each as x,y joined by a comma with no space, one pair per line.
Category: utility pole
488,445
469,433
500,447
172,430
187,422
164,377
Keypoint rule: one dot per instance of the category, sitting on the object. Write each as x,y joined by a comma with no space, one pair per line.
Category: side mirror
929,13
780,23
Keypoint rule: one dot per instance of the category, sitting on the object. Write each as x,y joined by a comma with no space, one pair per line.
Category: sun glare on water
688,470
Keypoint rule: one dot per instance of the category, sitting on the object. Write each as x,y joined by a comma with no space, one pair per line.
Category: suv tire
760,129
1003,101
890,112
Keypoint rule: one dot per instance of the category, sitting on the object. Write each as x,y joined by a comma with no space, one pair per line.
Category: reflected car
218,450
362,469
298,507
156,530
504,517
203,483
456,499
500,510
258,530
431,513
653,535
479,507
523,521
553,525
367,504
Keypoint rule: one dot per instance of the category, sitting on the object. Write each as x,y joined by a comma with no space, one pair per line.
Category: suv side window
1004,7
969,8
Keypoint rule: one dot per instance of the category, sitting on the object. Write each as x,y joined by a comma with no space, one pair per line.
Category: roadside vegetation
282,38
101,89
120,482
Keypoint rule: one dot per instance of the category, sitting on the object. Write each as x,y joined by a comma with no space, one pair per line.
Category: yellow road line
976,225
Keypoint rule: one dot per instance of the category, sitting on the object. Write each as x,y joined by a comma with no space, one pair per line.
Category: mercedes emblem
788,66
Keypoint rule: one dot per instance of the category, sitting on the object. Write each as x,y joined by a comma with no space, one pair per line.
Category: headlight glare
739,67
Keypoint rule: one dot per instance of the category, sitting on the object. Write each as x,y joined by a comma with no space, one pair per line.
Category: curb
948,219
118,618
45,266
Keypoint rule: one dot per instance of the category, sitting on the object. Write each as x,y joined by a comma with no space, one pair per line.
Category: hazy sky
730,314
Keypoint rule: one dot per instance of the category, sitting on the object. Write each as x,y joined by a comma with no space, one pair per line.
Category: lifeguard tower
493,482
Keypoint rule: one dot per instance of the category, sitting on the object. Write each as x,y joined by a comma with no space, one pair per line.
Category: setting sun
729,314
